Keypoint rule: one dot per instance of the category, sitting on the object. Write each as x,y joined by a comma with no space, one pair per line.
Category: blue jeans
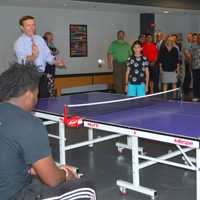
136,89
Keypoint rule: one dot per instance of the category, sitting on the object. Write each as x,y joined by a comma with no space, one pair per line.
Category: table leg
90,136
198,173
62,143
135,161
135,185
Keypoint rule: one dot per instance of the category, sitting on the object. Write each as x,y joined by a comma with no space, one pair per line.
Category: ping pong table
158,119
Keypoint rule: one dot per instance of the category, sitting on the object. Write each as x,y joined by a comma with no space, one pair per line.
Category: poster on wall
78,40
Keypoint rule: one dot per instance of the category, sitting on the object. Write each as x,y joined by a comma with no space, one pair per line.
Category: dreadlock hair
18,79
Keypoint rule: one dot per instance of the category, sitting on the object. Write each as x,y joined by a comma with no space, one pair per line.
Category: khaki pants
119,71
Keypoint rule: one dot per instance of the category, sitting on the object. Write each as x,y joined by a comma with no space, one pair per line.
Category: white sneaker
195,99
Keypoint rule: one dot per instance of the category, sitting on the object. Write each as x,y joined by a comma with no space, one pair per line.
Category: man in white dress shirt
31,48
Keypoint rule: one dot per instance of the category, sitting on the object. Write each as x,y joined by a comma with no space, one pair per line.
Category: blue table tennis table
167,121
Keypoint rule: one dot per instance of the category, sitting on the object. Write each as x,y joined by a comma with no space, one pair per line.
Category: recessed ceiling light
166,11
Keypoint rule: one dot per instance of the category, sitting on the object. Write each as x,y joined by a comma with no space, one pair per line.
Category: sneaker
195,99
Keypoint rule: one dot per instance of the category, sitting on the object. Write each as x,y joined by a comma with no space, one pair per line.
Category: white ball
100,61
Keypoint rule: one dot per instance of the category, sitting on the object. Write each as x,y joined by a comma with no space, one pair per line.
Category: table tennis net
105,107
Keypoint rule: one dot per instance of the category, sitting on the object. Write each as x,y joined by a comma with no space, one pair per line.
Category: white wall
198,24
102,27
176,23
194,23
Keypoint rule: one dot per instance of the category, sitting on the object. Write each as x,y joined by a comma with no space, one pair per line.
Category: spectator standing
150,51
160,40
188,63
160,44
31,48
137,74
142,39
169,64
117,55
195,54
50,69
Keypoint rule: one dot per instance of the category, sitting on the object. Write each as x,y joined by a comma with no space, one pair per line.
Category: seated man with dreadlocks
27,169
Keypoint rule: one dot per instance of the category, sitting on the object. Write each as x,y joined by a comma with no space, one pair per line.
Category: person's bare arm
177,68
109,60
187,55
147,79
60,63
160,66
48,172
126,79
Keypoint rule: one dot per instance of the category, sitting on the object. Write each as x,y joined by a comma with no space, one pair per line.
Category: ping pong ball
100,61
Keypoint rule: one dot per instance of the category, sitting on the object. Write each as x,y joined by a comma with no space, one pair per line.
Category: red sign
183,142
92,125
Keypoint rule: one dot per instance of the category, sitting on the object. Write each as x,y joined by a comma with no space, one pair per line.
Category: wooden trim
68,81
100,79
83,74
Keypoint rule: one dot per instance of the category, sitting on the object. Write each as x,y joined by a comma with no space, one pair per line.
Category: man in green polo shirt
117,56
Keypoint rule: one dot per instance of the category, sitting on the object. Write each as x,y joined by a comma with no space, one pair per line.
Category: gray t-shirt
23,141
195,51
187,46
